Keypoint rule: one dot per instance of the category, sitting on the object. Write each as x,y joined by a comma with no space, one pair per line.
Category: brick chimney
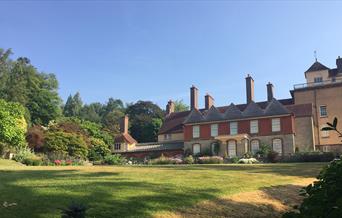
270,94
249,89
170,107
193,98
124,125
209,101
339,64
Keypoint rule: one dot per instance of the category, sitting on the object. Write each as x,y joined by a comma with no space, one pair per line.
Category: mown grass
133,191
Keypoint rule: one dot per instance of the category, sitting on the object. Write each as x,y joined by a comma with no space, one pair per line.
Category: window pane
277,146
214,149
214,130
254,128
254,146
196,149
232,148
233,128
324,133
195,131
323,111
276,125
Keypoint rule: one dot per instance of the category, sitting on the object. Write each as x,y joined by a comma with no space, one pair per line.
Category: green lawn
134,191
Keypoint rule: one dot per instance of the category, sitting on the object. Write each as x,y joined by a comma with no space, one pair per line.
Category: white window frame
196,131
276,125
231,148
325,110
233,126
324,134
255,145
277,145
318,79
117,146
214,130
213,148
167,136
254,126
196,149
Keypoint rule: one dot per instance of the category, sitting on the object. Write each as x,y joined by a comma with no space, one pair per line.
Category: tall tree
73,106
21,82
145,118
180,106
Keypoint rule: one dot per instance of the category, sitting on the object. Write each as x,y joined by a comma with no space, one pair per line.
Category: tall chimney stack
170,107
209,101
270,94
193,98
339,64
124,125
249,89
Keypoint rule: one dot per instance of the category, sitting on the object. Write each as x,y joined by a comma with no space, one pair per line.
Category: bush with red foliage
35,138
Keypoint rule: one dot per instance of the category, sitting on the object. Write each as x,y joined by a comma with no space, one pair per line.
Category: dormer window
318,79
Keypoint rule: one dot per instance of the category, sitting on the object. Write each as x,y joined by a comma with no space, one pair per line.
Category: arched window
277,145
215,148
254,146
196,149
232,148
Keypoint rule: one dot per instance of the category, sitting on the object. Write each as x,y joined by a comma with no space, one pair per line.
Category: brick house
286,125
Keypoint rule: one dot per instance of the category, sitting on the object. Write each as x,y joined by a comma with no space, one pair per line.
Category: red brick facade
264,124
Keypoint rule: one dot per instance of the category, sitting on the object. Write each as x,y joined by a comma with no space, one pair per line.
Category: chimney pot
209,101
270,94
193,97
339,64
249,89
170,107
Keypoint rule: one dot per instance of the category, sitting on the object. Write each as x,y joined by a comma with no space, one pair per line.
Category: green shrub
323,197
189,160
115,159
264,150
23,153
234,160
74,211
310,157
66,143
34,161
210,160
272,157
98,151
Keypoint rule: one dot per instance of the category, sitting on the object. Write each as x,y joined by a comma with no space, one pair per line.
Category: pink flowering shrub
58,162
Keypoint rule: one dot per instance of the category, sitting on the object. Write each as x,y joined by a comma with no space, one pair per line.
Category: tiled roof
275,108
213,114
334,72
194,116
300,110
316,67
125,138
252,110
158,146
232,112
173,123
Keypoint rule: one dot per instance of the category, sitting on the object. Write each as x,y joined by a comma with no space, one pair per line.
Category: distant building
287,125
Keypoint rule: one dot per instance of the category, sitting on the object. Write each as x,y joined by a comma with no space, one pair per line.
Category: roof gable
213,114
274,107
194,117
253,110
317,66
232,112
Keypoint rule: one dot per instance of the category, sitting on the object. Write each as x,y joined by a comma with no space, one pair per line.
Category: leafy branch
332,127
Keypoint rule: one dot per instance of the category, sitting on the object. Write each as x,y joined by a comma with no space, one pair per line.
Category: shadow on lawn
305,170
101,194
266,202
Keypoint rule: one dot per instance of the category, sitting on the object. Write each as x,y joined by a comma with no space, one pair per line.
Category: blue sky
155,50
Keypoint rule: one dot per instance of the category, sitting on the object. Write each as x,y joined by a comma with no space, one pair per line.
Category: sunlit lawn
133,191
